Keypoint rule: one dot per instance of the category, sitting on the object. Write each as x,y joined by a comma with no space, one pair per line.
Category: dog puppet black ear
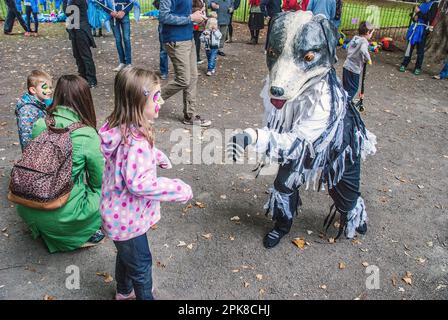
331,35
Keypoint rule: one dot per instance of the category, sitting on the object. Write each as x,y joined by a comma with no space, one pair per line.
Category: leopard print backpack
41,179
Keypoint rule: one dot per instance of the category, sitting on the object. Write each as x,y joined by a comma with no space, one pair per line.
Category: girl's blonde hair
132,88
212,22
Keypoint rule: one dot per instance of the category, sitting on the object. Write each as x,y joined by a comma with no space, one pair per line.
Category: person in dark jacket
13,13
270,8
79,32
236,5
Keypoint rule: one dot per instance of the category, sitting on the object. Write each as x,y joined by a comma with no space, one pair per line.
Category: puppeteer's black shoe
362,229
273,238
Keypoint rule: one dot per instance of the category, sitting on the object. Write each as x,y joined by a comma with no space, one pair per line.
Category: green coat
70,226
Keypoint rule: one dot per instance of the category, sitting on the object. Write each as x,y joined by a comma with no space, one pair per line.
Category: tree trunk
437,45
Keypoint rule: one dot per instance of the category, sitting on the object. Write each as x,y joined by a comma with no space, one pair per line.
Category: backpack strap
50,122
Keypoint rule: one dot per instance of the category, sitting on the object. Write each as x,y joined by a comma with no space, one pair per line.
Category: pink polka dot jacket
131,190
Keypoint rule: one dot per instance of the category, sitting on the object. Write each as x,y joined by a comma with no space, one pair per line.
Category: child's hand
369,62
215,6
361,96
120,14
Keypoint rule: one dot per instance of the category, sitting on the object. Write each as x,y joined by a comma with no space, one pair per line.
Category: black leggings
255,34
29,12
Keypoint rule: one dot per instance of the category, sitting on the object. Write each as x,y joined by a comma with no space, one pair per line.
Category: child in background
32,7
444,73
224,9
357,56
211,38
33,104
131,191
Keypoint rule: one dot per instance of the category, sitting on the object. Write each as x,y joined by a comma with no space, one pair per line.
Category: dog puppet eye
309,57
272,53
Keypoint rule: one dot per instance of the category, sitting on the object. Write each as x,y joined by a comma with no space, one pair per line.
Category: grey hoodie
357,54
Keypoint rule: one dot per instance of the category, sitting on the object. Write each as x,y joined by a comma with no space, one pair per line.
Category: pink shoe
131,296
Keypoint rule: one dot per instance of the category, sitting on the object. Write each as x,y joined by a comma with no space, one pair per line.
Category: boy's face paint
43,91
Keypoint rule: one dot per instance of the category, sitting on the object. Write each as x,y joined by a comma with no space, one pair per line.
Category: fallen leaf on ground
235,218
48,297
331,240
408,278
421,260
231,238
441,286
199,205
394,281
190,246
223,197
259,277
206,236
401,289
235,270
187,208
299,242
323,286
420,186
246,284
181,244
107,277
309,232
365,264
429,243
341,265
364,250
262,291
356,241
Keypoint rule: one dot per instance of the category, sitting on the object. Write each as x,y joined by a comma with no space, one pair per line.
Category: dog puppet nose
277,91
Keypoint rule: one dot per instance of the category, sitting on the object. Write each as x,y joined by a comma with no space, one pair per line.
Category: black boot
273,238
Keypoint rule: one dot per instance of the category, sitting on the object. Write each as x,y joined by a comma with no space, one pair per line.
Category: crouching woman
77,223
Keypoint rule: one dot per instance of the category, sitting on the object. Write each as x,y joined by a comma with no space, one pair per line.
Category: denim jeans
211,58
133,267
122,33
29,12
350,81
163,54
444,72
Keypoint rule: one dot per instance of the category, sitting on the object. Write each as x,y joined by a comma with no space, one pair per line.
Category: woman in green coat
77,223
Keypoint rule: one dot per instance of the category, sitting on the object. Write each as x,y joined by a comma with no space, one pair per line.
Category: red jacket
293,5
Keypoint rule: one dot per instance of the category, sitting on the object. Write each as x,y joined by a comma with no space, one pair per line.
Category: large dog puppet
312,131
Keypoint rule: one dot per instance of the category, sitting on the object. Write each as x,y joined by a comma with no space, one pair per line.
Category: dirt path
404,186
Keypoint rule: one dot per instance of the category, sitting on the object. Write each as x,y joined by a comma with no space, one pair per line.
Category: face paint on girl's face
45,88
157,99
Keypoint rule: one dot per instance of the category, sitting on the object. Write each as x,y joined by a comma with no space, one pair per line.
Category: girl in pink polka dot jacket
131,190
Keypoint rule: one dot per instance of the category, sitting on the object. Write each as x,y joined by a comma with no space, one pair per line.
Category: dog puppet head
301,51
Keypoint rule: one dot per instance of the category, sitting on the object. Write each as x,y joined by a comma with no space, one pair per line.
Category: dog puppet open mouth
278,103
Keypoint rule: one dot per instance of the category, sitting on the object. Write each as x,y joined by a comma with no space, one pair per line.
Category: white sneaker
209,73
120,66
200,62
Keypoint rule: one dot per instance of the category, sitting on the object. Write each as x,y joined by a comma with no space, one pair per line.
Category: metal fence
392,21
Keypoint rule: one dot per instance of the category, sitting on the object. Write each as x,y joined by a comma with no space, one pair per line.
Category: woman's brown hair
73,91
132,87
